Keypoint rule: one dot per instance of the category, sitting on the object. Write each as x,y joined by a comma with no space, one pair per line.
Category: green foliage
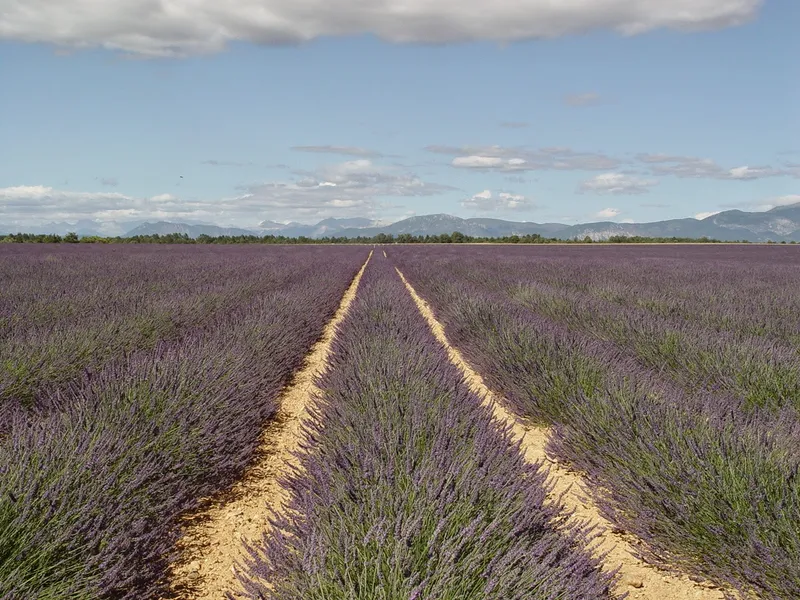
382,238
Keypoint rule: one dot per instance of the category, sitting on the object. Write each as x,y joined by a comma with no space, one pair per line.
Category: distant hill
326,227
442,223
779,224
83,227
193,231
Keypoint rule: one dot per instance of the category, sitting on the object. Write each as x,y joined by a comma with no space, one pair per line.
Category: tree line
382,238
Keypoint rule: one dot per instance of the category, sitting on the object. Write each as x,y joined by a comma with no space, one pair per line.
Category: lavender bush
90,494
408,489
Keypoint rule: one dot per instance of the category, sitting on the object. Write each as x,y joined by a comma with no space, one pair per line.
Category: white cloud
485,201
164,198
185,27
585,99
353,188
513,201
518,158
691,167
616,183
34,196
477,162
607,213
705,215
746,172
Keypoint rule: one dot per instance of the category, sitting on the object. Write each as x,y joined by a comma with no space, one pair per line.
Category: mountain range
778,224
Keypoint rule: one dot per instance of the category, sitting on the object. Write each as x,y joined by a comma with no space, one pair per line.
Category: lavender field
137,381
670,376
408,489
149,378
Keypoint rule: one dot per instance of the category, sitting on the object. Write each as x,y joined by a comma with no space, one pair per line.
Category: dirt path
212,543
639,579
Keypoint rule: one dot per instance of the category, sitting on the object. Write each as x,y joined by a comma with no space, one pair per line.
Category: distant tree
72,238
457,237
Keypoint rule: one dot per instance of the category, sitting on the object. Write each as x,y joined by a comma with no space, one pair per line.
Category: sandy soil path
213,540
639,579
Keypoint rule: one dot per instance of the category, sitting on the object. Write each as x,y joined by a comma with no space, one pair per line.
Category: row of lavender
748,292
66,309
92,490
407,488
689,431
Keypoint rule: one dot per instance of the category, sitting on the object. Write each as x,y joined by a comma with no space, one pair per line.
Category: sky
238,112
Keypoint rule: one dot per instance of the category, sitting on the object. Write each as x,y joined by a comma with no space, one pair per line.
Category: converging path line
213,543
639,579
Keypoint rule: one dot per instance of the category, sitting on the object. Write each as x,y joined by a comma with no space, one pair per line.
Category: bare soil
214,538
636,577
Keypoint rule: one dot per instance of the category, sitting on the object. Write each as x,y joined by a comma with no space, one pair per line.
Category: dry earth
639,579
212,544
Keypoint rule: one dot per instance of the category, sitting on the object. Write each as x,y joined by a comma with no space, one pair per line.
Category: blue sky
611,109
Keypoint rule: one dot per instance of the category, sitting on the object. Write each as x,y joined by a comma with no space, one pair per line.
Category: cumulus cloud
478,162
185,27
585,99
500,158
161,198
704,168
616,183
344,150
746,172
353,188
607,213
485,201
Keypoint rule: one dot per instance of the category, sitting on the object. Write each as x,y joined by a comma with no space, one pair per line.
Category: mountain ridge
777,224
